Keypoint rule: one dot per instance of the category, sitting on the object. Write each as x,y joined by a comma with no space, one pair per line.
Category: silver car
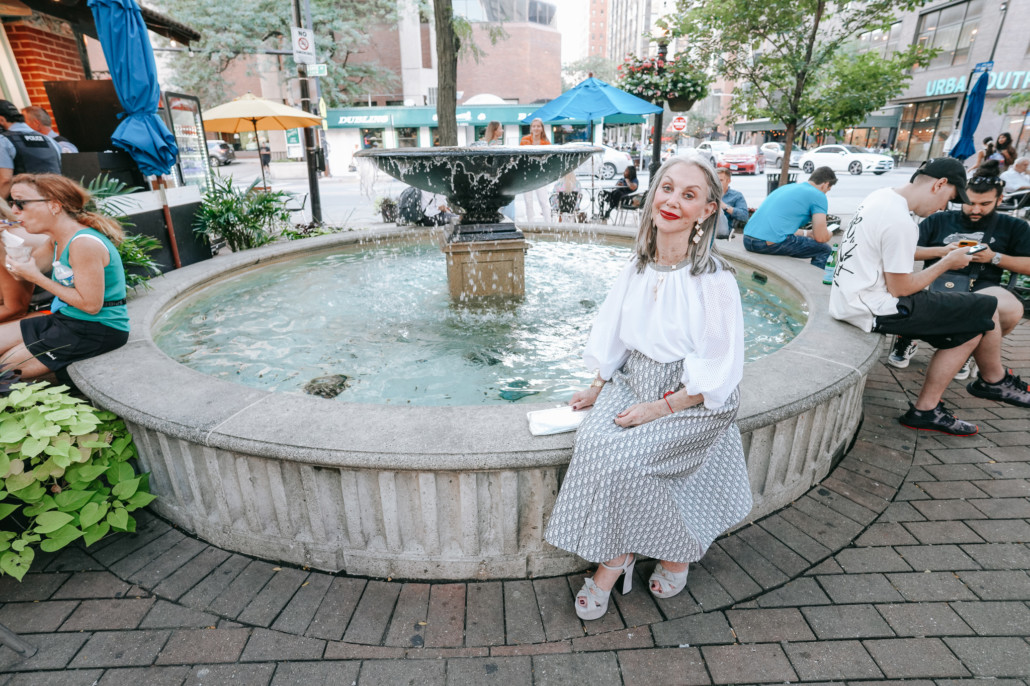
773,153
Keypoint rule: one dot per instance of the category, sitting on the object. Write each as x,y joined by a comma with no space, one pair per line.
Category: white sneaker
902,352
966,370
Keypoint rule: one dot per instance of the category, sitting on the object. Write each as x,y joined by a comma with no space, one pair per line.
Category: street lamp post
656,147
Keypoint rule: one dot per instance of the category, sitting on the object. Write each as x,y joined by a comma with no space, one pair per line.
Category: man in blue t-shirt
775,228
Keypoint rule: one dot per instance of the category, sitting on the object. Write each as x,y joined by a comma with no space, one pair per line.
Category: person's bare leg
988,354
942,369
21,359
1010,309
605,578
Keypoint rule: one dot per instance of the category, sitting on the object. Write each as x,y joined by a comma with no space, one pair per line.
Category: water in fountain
381,315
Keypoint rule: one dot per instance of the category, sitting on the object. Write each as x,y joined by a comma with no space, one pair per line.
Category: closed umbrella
974,108
251,113
123,37
130,58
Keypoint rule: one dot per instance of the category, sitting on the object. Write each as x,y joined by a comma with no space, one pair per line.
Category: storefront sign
363,120
294,149
997,80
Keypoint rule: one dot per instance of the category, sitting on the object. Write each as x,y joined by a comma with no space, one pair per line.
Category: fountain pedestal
486,267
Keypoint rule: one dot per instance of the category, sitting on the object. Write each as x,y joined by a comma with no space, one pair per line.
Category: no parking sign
678,124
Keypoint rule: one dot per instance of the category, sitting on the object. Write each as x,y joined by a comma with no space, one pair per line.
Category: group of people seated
72,255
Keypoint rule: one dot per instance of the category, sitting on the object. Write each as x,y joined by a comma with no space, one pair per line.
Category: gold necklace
658,284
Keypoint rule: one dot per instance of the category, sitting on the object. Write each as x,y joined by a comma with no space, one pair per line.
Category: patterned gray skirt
665,489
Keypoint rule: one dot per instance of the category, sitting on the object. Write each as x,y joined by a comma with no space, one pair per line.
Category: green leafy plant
111,198
309,231
66,474
387,207
244,218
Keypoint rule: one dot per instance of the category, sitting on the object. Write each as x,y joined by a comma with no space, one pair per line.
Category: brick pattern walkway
909,563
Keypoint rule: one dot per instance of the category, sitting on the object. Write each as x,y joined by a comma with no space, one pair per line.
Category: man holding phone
1006,246
876,289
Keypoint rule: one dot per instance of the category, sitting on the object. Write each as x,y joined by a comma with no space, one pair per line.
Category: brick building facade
44,51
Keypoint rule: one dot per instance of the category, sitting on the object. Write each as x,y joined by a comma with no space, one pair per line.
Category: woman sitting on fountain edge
89,316
658,467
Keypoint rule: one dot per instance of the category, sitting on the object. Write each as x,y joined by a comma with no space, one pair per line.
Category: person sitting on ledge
775,227
89,316
876,289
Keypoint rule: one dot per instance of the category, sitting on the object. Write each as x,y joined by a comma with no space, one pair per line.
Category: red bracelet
666,399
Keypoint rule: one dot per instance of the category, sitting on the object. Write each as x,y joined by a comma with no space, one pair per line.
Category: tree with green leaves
794,61
232,30
446,73
601,67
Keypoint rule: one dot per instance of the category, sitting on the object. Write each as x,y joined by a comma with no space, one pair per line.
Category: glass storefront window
407,137
924,128
371,138
952,29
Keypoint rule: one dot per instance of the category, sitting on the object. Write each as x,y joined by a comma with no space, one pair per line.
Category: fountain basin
428,492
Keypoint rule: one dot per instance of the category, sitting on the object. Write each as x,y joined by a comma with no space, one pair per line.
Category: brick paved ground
908,564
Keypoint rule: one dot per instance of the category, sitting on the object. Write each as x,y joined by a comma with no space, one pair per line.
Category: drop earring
698,231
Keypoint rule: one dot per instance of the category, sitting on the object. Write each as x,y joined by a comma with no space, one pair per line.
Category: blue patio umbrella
974,108
592,99
142,134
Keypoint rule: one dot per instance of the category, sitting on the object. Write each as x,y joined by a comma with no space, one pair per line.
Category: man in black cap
876,289
22,149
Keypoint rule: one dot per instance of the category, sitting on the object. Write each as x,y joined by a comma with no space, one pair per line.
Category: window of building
924,128
371,138
407,137
952,29
879,41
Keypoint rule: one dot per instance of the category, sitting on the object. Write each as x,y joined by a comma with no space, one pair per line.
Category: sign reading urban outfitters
997,80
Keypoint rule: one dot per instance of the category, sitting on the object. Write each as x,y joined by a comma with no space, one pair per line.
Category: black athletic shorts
944,320
57,340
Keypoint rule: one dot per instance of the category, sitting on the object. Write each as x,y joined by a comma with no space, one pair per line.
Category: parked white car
714,150
850,158
606,165
773,154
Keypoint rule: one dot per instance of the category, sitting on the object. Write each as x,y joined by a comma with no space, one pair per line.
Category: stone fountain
485,256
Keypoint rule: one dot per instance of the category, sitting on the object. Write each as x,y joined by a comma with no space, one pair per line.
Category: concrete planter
428,492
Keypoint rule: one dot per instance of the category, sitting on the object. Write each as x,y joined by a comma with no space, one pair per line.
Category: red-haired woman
89,316
542,195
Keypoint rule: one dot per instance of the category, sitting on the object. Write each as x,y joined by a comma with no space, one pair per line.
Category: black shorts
944,320
57,340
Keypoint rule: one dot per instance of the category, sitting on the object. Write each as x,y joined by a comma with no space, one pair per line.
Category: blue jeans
792,246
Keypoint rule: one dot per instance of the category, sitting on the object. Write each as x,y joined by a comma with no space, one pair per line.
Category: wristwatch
597,383
996,260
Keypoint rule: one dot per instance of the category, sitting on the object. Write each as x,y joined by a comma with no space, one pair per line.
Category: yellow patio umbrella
249,112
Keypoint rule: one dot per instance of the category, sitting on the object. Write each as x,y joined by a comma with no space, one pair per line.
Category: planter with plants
66,473
387,207
244,218
675,81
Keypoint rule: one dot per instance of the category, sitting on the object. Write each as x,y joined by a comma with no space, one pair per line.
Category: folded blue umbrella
123,36
965,146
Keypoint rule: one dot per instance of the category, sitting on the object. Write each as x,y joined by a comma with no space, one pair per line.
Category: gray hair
1020,160
704,258
39,114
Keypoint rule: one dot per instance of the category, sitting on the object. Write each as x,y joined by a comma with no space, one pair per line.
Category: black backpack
409,207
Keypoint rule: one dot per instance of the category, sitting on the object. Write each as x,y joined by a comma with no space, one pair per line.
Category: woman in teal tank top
88,316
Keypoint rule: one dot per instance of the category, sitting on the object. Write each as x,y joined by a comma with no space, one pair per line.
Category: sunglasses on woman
20,204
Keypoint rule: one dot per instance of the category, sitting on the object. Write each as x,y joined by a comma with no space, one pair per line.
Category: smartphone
975,249
966,244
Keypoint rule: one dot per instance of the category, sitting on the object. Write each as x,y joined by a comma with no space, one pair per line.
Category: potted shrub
676,81
387,207
65,470
243,217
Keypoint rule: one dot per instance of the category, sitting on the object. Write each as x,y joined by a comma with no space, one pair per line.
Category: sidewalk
908,564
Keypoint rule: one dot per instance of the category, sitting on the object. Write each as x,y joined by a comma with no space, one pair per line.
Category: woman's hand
581,400
641,413
26,270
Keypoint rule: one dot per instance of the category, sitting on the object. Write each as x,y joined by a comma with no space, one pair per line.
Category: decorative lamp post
656,147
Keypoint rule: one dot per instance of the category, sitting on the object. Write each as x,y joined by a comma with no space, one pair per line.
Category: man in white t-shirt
876,289
1017,181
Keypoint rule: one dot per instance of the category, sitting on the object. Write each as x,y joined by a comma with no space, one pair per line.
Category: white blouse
669,315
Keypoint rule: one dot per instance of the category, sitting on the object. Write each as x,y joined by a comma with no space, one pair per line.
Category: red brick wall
41,57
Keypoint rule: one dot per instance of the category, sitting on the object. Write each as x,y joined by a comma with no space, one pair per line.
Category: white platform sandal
592,601
668,583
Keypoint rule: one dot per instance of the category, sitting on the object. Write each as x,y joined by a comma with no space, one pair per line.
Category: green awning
478,115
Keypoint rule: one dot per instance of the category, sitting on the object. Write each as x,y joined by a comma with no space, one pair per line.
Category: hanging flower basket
677,82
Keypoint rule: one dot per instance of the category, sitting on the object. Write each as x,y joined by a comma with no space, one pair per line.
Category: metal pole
656,146
309,134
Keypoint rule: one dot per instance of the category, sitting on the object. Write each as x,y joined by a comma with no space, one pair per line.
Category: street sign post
318,70
303,45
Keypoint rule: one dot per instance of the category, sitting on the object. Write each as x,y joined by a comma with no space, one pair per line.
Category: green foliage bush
244,218
66,474
113,198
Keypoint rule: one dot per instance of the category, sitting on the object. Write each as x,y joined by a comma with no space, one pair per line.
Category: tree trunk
446,73
788,145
